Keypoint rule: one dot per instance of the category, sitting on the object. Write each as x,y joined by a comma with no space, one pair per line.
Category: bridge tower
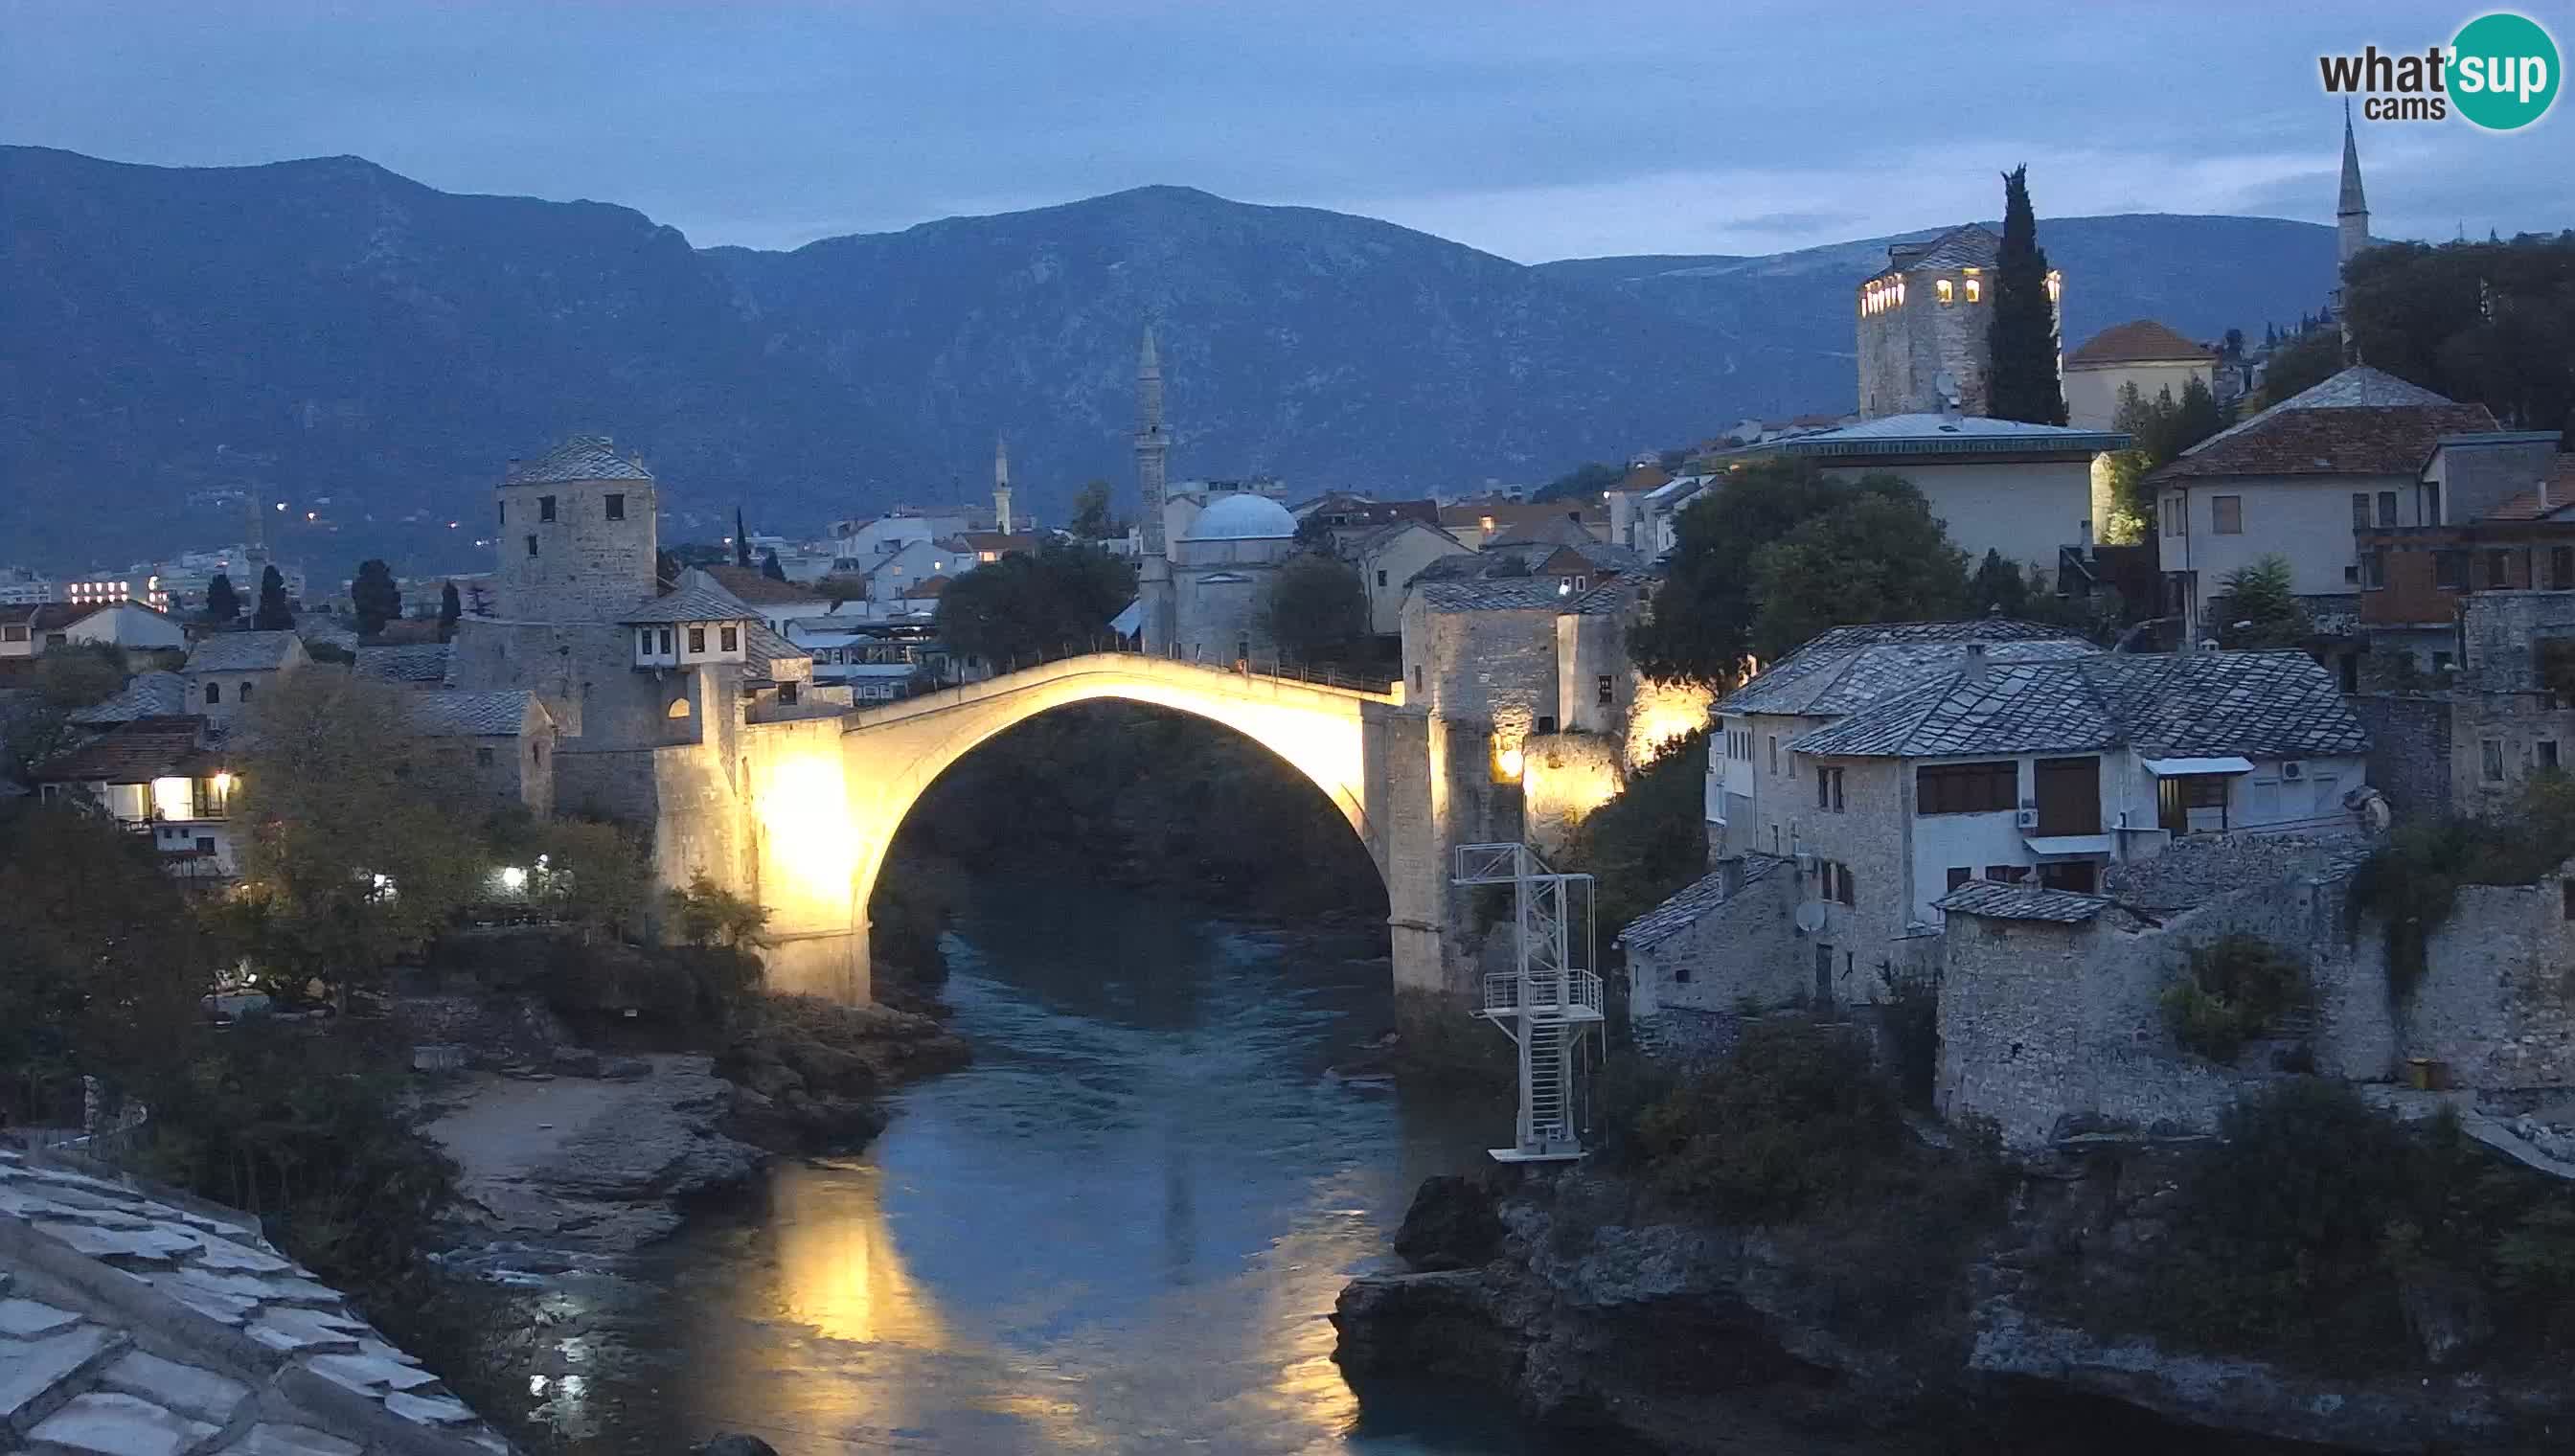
1152,455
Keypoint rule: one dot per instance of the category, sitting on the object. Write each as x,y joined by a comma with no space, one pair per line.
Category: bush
706,915
1648,840
2412,881
1912,1020
1788,1124
2235,989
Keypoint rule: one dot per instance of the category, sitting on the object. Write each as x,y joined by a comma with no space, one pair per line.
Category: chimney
1975,671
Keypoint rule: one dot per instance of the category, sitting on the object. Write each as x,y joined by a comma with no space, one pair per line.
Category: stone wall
1563,778
586,567
2500,633
2527,732
2409,748
1742,950
1497,668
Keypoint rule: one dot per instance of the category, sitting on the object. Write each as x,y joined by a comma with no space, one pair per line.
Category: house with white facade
2295,482
1947,755
2026,491
2141,353
26,632
1388,560
160,777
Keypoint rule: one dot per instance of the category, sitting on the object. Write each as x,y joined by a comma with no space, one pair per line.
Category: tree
2021,379
2300,365
842,587
1584,481
1091,520
272,614
1998,587
78,674
1056,600
706,915
355,855
223,604
2234,345
1878,557
451,610
1315,610
770,568
2163,428
1315,534
2492,323
2260,608
373,593
741,540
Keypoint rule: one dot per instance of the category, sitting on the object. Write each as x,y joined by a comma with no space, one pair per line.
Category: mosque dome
1242,517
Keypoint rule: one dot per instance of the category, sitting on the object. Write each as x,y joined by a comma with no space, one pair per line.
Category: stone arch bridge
826,797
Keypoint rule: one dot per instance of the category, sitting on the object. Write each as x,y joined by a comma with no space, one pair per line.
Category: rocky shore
1575,1295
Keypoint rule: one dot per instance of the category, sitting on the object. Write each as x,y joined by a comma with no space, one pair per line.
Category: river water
1120,1230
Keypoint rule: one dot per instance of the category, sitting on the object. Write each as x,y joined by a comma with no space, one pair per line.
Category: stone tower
1001,485
1922,322
2351,230
1153,458
577,535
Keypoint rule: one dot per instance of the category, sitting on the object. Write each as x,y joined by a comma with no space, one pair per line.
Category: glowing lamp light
513,878
1508,763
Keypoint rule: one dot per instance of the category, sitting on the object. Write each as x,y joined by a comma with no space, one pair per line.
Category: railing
1275,665
1508,992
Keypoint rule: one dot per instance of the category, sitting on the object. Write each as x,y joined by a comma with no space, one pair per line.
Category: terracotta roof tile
134,752
2362,421
2140,341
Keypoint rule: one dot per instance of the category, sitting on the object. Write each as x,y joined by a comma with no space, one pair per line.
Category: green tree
2021,379
2164,427
706,915
375,596
842,587
2300,365
102,971
2259,607
273,614
1879,557
223,604
1090,520
355,855
1313,534
741,540
77,675
1584,481
1315,610
1056,600
1702,626
451,610
2491,322
592,873
770,568
1998,587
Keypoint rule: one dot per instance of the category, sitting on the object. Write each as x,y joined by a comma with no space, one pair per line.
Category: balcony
1508,993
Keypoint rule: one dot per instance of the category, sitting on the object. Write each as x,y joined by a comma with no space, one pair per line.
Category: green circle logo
2503,71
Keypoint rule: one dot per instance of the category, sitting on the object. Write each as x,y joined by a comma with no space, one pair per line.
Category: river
1120,1230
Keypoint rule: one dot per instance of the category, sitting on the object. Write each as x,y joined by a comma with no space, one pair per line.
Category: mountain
331,335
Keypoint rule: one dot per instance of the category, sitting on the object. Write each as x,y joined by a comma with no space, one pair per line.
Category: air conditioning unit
2292,768
2027,818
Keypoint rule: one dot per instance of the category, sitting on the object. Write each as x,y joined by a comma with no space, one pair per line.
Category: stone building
1922,322
502,742
2497,514
225,672
2030,491
1389,558
1222,573
164,776
569,525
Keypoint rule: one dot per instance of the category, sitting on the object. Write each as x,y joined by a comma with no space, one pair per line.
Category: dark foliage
2411,882
273,613
223,603
2235,989
1317,610
2490,322
1583,483
451,610
1648,840
375,596
1027,606
2021,379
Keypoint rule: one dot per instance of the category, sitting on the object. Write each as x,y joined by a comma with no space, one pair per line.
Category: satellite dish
1810,917
1945,385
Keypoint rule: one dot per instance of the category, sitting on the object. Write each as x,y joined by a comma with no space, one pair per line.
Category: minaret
1001,485
1153,452
2351,230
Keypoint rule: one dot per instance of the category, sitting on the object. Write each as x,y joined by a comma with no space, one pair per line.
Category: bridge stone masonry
826,813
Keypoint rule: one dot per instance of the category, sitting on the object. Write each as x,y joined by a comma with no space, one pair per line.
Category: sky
1534,131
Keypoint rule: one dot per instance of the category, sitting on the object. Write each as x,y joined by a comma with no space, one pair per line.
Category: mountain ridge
327,328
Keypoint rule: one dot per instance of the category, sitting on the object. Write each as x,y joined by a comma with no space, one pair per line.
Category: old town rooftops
242,651
580,457
1849,667
1930,434
1970,245
146,694
2139,341
1696,898
2360,422
404,662
1997,901
449,713
689,604
1523,594
135,752
2279,705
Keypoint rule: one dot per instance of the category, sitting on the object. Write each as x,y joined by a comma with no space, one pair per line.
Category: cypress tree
770,568
741,540
2021,381
373,593
451,610
223,604
272,614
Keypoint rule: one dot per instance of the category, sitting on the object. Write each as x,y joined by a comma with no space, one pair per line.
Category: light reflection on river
1118,1230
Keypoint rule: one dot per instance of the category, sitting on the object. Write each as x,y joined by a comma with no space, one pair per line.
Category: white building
156,776
1389,558
2026,491
1222,568
2141,353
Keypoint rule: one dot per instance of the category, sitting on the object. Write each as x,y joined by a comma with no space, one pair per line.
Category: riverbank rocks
1451,1225
135,1321
809,1070
736,1444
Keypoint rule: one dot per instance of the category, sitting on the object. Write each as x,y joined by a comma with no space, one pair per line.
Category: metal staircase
1549,1003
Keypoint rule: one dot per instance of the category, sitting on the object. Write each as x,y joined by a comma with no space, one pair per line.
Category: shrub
1788,1124
2235,989
1912,1020
706,915
2412,881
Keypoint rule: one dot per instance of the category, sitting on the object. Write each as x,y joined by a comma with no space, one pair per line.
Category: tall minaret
2351,229
1001,485
1153,452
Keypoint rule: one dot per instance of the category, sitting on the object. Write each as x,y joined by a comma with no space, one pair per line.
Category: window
2373,568
2387,507
644,641
2440,662
697,639
205,843
2450,569
532,545
1975,290
13,634
1849,888
1608,690
2360,510
2544,752
2078,875
2431,506
505,513
731,637
244,696
2561,568
1544,727
2497,570
666,641
214,694
2226,515
2490,760
2566,898
1828,789
786,695
544,508
1961,789
483,757
537,753
1959,875
2007,874
1775,754
1381,578
1416,678
615,506
1949,293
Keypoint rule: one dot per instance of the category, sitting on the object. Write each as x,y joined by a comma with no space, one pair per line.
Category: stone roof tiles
2022,902
1849,667
136,1320
449,714
578,458
1694,899
1520,594
1970,245
2163,704
750,585
2140,341
407,663
242,651
134,752
146,694
690,603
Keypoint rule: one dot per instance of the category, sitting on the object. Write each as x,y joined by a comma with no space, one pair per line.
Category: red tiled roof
2139,341
927,587
2376,440
752,588
134,752
1644,478
1508,513
49,615
2529,507
993,540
